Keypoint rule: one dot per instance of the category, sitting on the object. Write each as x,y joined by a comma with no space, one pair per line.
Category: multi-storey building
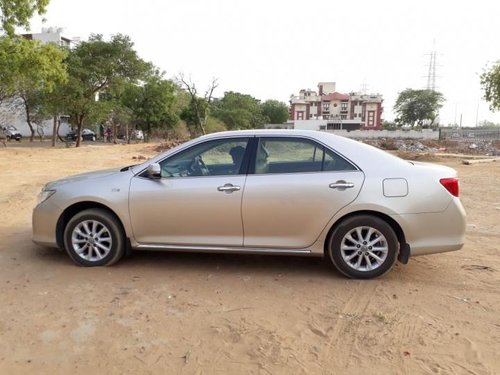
305,106
339,110
368,108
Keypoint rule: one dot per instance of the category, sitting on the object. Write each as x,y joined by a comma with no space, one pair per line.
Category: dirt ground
171,313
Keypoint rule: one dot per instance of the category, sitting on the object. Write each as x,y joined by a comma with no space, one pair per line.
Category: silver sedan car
261,191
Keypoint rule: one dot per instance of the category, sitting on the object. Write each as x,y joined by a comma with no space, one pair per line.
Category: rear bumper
430,233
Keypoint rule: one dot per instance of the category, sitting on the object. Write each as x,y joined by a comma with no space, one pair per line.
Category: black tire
364,253
113,238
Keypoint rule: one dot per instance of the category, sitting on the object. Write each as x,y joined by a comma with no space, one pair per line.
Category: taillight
451,184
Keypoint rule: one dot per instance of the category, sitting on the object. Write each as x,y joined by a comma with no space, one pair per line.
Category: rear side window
296,155
334,162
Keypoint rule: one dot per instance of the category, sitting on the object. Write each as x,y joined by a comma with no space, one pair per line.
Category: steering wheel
198,167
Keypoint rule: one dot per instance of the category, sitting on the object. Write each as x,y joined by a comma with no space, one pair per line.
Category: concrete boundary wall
470,134
397,134
47,125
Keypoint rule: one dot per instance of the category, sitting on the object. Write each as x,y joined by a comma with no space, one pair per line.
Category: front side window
289,155
213,158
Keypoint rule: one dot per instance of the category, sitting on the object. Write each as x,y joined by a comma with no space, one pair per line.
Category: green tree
98,66
48,105
275,111
196,114
152,104
389,125
18,13
29,70
239,111
418,107
487,124
8,47
118,116
490,81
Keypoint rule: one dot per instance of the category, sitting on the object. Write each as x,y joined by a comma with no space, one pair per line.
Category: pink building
366,110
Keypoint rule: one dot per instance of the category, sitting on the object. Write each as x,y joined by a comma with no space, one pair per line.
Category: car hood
82,177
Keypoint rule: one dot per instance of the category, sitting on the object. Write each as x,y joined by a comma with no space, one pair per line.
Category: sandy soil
172,313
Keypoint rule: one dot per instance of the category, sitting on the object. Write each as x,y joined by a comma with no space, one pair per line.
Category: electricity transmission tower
431,72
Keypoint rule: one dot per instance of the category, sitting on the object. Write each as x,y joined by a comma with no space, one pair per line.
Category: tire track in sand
338,350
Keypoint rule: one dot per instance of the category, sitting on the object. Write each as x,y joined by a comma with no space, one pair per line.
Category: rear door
297,187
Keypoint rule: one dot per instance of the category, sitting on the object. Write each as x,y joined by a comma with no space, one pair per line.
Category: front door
197,201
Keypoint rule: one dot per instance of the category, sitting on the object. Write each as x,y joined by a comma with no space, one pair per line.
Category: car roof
265,132
322,136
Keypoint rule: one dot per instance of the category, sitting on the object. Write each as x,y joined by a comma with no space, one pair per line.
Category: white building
50,35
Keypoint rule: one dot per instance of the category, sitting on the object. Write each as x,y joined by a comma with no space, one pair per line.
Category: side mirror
154,171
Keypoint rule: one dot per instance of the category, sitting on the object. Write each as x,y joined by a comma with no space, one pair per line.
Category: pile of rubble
167,145
402,145
484,148
489,148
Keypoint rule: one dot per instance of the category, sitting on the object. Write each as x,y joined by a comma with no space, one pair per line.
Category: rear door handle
228,188
341,184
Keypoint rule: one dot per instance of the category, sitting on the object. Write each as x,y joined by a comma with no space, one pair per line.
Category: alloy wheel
364,248
91,240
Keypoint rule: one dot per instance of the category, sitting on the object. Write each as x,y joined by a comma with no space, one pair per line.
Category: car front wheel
363,247
94,237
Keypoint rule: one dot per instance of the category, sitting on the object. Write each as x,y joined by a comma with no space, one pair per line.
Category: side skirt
223,249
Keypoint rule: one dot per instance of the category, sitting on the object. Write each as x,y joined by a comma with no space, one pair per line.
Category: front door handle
341,184
228,188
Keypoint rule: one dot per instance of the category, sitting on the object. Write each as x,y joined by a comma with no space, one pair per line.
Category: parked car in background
138,135
282,192
12,133
87,135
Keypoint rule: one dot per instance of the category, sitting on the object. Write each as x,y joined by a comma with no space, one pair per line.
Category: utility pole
431,75
364,87
456,107
477,113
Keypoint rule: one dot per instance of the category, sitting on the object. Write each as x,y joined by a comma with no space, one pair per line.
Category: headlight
44,195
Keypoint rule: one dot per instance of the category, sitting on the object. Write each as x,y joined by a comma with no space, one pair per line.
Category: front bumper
44,221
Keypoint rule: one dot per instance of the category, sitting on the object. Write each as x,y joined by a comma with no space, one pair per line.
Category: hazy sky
271,49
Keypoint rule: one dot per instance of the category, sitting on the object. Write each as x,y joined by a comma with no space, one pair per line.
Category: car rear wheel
363,247
94,237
